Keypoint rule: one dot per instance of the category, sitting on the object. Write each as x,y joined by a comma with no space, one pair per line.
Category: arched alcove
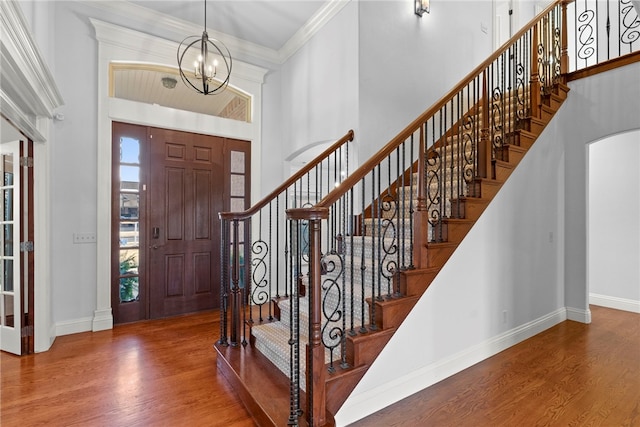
613,221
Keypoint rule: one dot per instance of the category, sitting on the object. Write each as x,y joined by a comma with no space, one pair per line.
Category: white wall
319,98
599,106
407,63
73,168
614,221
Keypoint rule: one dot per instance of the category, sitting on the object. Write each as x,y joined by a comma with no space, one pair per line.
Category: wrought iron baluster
224,284
362,257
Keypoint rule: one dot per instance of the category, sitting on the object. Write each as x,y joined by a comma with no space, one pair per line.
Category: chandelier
211,68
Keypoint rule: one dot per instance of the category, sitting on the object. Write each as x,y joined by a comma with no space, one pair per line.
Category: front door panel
186,192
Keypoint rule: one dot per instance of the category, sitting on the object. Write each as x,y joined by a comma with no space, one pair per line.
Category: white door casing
10,292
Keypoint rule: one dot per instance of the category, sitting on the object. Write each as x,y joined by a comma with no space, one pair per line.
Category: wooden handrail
281,188
415,125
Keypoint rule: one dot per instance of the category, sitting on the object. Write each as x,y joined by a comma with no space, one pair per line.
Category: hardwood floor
163,373
153,373
570,375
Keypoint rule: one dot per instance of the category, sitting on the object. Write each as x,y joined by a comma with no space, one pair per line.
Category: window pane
129,262
237,204
129,289
7,169
237,162
7,275
7,209
129,206
129,150
7,238
237,185
129,233
7,319
129,177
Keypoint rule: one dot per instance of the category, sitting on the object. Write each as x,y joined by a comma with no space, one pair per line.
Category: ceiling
275,29
268,23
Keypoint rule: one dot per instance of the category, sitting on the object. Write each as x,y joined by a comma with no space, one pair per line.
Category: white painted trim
624,304
311,27
44,333
18,119
117,44
30,109
75,326
25,67
359,406
179,28
579,315
102,320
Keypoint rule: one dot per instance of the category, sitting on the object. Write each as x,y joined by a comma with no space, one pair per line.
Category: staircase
330,285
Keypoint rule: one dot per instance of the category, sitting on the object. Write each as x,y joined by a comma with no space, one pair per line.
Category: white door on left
10,295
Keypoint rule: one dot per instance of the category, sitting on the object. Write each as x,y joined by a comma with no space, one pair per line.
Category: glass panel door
10,299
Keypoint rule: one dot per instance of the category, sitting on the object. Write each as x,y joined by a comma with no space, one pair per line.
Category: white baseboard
102,320
359,406
579,315
614,302
74,326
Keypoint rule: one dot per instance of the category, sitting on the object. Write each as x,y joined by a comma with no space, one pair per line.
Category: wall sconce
422,6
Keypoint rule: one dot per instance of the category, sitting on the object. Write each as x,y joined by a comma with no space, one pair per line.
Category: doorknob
155,246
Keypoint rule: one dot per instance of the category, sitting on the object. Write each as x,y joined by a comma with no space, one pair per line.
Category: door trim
114,44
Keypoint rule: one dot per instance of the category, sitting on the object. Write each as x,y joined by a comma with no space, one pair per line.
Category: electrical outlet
84,238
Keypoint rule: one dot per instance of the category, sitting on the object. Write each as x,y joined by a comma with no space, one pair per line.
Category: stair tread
251,373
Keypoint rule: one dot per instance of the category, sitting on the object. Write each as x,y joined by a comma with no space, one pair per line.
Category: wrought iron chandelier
212,66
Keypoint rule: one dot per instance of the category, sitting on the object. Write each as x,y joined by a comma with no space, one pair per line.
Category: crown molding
24,70
178,28
310,28
147,48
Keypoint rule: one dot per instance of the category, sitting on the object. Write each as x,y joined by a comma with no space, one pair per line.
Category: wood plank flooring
163,373
154,373
570,375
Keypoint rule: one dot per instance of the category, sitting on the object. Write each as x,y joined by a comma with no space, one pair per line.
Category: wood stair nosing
547,112
389,313
511,153
469,207
501,170
457,229
439,253
415,282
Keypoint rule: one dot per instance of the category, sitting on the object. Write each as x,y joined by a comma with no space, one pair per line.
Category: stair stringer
417,283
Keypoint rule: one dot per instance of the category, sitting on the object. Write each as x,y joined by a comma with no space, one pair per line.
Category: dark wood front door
185,196
185,180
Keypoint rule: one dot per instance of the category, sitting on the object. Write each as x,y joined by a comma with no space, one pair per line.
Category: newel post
536,96
421,234
316,370
484,148
564,55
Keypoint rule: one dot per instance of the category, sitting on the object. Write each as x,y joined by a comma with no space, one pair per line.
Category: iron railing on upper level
602,30
347,247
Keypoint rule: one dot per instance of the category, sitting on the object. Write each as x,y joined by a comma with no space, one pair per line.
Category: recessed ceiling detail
148,83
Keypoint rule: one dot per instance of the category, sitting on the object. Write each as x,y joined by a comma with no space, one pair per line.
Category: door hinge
26,246
27,331
26,162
